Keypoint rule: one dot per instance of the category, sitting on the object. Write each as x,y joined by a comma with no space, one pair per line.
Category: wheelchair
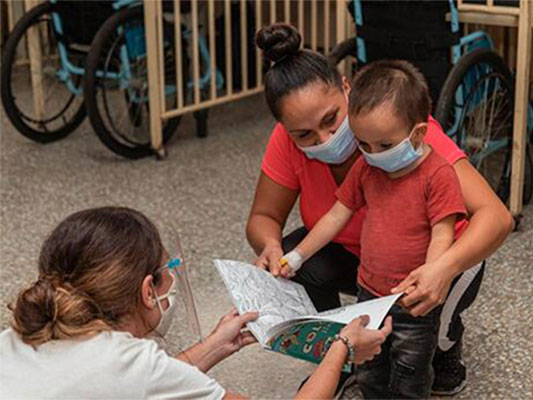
93,62
474,96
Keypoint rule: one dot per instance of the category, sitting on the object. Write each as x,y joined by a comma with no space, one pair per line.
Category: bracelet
351,350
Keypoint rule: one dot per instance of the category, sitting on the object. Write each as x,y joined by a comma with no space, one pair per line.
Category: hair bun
35,310
278,41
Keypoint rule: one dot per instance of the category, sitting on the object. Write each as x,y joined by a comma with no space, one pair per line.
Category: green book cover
307,341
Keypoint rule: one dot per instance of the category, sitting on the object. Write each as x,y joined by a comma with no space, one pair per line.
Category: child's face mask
395,158
336,149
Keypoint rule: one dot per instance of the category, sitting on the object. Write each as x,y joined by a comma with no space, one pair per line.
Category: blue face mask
336,149
396,158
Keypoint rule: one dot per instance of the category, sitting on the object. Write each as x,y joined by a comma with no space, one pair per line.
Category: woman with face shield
310,152
105,284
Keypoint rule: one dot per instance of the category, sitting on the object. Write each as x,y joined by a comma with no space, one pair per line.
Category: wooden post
244,47
179,59
341,28
301,25
326,26
195,51
521,104
314,32
35,55
154,88
227,38
10,15
212,47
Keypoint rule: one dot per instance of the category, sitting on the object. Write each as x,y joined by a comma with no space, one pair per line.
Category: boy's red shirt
400,213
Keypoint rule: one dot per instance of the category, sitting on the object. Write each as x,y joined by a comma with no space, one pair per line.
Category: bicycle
73,78
475,105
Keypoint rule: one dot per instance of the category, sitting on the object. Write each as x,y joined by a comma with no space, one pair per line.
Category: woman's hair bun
35,311
278,41
50,310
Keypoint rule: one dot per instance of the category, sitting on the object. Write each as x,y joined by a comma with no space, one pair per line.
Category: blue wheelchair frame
135,48
473,41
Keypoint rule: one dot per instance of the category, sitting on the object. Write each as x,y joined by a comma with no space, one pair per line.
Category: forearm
486,231
325,230
323,382
437,248
263,230
204,355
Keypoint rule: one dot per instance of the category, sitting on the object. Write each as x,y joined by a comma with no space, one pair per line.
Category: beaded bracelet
351,350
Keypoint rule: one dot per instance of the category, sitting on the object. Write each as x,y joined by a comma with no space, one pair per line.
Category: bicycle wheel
116,85
475,107
62,110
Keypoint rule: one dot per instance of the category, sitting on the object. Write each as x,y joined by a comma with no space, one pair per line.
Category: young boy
413,199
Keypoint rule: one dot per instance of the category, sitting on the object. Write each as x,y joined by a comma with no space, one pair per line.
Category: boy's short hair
396,82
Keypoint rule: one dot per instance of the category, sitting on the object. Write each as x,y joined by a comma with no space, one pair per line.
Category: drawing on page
276,299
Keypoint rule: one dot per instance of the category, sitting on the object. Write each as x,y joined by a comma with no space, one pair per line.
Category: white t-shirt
111,365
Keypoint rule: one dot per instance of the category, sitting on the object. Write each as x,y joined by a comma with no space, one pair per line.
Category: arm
233,396
325,230
322,233
489,224
441,238
226,339
271,207
367,343
324,381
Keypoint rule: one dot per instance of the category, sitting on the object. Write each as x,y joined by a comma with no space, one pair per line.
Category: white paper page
253,289
376,309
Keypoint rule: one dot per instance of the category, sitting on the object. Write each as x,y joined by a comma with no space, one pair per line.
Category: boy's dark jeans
403,368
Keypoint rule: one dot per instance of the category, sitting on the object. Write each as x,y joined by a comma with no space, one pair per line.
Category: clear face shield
180,298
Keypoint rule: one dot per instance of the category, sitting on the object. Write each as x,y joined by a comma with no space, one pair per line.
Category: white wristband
293,259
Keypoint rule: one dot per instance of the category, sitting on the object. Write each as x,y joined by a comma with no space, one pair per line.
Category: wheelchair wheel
63,111
475,107
116,85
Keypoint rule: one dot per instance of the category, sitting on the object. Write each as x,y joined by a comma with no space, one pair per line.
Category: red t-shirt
287,165
400,213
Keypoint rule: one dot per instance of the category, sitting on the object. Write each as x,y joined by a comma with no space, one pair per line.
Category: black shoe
346,380
450,371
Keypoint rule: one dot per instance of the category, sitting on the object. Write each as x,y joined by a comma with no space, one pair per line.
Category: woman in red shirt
309,154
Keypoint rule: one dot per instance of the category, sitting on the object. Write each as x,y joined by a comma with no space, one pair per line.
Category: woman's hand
269,258
229,334
226,339
426,287
367,343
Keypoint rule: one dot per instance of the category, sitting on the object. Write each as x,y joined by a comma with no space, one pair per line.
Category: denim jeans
403,368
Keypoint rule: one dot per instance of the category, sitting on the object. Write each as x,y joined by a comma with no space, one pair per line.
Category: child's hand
290,263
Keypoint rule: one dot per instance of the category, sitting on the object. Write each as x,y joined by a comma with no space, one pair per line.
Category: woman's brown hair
91,270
